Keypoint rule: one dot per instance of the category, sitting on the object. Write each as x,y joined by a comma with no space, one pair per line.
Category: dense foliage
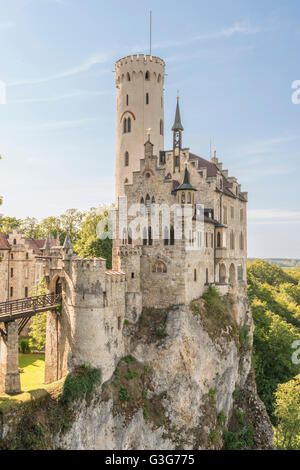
82,227
274,294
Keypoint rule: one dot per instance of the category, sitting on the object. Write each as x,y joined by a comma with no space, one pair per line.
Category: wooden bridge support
9,360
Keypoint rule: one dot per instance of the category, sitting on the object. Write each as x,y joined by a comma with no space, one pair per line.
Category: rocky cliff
186,383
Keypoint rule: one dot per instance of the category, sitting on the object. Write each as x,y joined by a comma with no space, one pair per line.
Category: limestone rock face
179,387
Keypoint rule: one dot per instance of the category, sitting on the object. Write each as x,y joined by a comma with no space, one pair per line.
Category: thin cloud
63,96
84,67
273,216
237,28
56,125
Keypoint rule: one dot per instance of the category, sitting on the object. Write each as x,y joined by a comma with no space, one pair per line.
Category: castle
180,226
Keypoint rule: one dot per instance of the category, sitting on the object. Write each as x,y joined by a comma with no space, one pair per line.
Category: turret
140,106
177,138
186,192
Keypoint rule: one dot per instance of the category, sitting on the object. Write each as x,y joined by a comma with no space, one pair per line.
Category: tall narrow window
147,75
147,98
11,272
11,291
206,276
127,100
161,127
189,199
26,291
148,204
129,236
128,125
126,158
172,236
166,236
144,236
128,77
150,236
219,240
125,126
27,255
195,275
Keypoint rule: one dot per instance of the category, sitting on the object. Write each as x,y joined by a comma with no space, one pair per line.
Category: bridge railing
29,304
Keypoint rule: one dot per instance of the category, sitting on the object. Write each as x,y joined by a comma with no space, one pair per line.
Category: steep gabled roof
4,245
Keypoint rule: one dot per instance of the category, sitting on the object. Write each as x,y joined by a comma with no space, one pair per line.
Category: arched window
129,125
241,241
126,158
58,286
153,200
159,267
128,77
222,273
147,98
142,201
159,78
161,127
225,214
189,198
232,241
125,126
148,204
166,236
219,240
183,198
147,75
195,275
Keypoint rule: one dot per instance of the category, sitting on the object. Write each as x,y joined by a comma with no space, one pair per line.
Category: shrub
212,392
124,395
236,393
239,440
25,346
240,417
79,383
222,418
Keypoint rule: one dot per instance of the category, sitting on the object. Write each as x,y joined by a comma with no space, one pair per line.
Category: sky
234,62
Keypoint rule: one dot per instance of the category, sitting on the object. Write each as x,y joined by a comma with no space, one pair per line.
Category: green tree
38,323
287,411
88,244
29,228
8,223
70,222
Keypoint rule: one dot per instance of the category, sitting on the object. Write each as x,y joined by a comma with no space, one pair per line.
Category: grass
34,368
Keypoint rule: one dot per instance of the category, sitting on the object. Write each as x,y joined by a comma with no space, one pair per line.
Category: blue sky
233,61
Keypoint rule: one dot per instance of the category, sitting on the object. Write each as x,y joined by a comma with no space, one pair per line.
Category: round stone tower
140,106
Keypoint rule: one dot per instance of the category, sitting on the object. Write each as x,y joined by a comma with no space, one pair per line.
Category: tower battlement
145,58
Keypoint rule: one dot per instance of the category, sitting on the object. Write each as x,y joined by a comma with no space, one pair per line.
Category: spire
67,243
186,181
177,126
